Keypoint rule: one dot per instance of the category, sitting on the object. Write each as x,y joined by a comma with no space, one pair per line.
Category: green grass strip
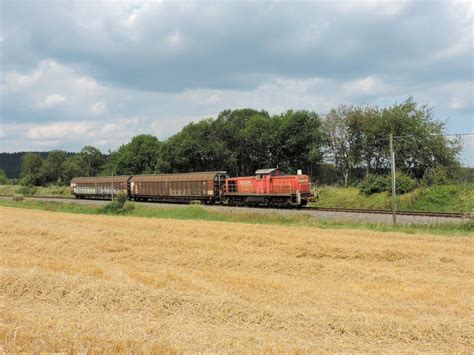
201,213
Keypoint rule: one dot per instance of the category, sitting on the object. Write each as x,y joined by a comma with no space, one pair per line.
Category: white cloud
51,101
458,103
133,16
84,83
58,130
109,128
14,81
212,99
99,108
175,40
375,7
369,85
53,85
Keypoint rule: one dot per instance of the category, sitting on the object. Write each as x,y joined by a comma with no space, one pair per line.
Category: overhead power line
440,134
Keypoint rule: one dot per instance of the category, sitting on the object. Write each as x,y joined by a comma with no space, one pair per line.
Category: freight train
267,187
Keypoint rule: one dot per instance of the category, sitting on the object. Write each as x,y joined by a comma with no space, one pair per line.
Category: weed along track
95,283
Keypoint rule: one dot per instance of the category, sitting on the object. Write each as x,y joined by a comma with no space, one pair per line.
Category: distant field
93,283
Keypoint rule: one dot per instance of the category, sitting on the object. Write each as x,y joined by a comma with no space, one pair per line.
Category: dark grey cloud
172,46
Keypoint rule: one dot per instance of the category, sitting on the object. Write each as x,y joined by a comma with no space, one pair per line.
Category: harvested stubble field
71,282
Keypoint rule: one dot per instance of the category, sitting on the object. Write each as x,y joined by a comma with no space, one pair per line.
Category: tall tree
420,141
230,128
53,166
343,140
139,156
73,167
358,138
196,148
31,174
299,142
259,139
91,160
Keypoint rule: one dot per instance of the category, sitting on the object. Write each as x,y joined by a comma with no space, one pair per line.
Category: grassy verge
445,198
200,213
37,190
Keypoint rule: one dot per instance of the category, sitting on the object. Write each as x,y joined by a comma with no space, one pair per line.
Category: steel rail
399,212
42,196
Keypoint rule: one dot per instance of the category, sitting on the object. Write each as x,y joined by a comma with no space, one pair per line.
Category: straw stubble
94,283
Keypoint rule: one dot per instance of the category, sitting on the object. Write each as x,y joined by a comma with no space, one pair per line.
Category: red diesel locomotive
268,187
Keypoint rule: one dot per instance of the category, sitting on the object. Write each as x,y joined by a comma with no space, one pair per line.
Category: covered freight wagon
103,187
203,186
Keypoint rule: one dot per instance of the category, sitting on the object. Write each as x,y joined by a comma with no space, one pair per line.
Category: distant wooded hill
11,162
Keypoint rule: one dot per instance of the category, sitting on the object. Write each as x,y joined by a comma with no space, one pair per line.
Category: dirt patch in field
95,283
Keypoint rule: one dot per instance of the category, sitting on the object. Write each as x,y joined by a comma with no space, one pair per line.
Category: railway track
401,213
323,209
43,197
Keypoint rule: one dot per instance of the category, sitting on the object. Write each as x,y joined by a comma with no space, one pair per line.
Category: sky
98,73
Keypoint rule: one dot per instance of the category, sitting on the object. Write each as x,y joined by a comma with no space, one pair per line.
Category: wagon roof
265,171
101,179
201,176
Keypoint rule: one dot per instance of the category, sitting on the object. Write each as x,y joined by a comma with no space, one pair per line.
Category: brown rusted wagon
100,187
187,187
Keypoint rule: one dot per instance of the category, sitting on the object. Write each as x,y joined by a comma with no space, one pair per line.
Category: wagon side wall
100,186
172,188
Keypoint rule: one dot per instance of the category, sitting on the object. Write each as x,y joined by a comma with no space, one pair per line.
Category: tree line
347,144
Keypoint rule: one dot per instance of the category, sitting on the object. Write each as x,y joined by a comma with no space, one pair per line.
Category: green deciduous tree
343,137
420,142
52,169
197,147
299,142
88,162
3,177
357,138
231,131
140,156
31,169
72,168
91,160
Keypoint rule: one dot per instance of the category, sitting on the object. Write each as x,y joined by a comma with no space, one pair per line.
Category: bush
17,198
59,190
374,184
436,176
26,190
119,206
404,184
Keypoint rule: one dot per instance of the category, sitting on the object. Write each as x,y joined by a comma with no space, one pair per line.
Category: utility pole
392,167
112,186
